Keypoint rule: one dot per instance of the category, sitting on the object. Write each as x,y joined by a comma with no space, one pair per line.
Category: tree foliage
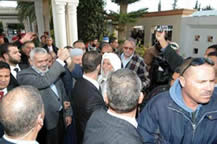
122,19
26,10
159,5
91,19
174,4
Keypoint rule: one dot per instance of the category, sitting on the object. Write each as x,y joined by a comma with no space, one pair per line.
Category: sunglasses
197,62
128,48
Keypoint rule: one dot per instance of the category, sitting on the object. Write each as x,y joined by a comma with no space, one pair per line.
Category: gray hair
132,41
19,110
35,51
123,90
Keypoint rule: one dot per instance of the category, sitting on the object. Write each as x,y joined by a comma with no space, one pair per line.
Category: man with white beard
52,91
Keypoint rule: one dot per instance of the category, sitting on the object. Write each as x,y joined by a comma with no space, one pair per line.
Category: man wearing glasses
187,113
134,62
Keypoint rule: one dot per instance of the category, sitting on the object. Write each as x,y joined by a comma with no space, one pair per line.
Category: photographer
162,59
173,59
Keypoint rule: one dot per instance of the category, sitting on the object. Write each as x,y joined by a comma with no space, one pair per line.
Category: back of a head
90,61
123,90
19,110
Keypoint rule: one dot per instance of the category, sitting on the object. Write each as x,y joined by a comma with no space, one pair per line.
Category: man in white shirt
117,124
22,115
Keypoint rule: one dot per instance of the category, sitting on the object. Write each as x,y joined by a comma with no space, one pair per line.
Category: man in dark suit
12,56
4,84
50,47
118,124
51,89
21,114
86,94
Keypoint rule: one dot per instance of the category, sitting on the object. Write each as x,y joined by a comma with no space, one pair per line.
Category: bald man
22,115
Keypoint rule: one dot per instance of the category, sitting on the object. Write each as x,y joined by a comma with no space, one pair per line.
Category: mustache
207,93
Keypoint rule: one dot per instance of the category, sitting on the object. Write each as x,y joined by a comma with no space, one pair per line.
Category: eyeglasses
128,48
196,62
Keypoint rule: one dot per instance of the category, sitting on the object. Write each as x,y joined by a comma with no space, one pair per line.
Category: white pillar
39,16
5,27
72,21
58,7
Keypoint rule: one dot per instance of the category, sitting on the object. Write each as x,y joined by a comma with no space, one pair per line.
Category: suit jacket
13,81
87,99
107,129
51,101
4,141
55,49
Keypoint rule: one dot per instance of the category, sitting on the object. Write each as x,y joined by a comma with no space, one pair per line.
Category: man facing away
86,94
186,114
21,114
117,125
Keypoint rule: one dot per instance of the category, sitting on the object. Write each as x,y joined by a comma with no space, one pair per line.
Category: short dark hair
4,65
91,60
4,48
20,109
112,40
78,41
213,46
123,90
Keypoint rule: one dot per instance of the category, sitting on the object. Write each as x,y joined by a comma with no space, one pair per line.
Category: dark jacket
4,141
164,121
87,99
102,128
55,49
173,59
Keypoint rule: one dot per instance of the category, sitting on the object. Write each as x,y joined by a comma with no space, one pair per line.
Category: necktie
1,94
16,70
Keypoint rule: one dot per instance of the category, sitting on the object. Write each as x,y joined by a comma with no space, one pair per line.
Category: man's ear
5,56
141,97
182,81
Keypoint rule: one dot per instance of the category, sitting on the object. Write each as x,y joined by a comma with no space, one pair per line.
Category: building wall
202,26
150,22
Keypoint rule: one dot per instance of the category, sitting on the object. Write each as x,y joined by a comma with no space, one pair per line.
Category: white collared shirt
20,141
93,81
126,118
125,60
13,72
50,48
5,90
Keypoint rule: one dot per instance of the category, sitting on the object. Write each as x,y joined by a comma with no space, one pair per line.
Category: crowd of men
83,94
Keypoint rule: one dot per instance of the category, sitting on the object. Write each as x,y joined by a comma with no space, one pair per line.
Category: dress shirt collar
5,91
125,60
20,141
13,72
94,82
126,118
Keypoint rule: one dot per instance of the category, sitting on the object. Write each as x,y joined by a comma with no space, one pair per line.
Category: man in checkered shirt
134,62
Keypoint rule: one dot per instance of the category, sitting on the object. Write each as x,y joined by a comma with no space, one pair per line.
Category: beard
42,72
13,61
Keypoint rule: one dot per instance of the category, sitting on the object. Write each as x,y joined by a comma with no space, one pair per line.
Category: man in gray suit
118,124
52,91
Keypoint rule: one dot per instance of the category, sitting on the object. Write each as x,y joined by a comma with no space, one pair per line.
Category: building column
58,9
39,16
72,27
5,27
46,15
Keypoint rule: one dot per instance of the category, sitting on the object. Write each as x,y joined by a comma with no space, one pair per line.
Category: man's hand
68,120
63,54
29,36
160,36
